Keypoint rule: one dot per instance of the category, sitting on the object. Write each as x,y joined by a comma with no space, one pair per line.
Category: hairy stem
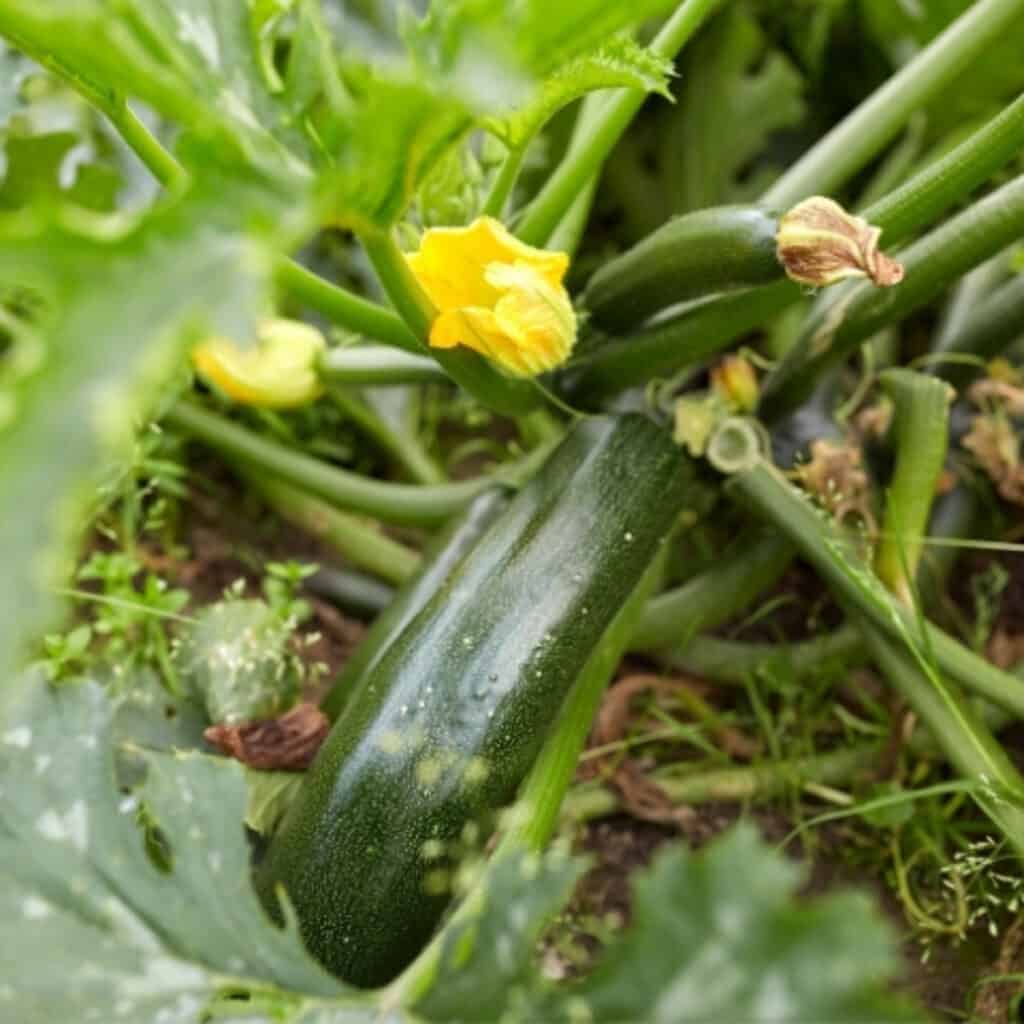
359,543
411,504
581,163
750,567
377,366
921,427
852,143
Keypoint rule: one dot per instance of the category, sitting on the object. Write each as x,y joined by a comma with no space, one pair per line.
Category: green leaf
236,660
122,302
618,63
486,966
191,60
93,930
534,37
718,936
270,794
710,149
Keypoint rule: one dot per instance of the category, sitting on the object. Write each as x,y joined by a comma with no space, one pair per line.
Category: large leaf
735,93
716,936
191,60
91,928
122,303
486,965
618,63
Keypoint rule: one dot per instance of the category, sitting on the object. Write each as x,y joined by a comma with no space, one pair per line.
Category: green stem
404,448
961,735
751,566
993,325
341,307
504,182
765,490
579,165
698,332
377,366
145,145
359,543
410,504
931,264
542,793
945,181
705,785
469,370
921,431
862,134
728,661
361,596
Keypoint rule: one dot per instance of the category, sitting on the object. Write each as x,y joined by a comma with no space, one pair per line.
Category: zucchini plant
638,381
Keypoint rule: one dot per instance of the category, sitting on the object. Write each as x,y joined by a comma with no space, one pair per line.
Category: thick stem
542,793
410,504
945,181
764,489
359,543
353,592
921,430
862,134
404,448
729,661
711,598
993,325
571,176
378,366
504,182
755,782
931,264
961,735
341,307
469,370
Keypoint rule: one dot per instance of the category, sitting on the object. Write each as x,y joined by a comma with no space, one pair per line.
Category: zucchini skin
693,255
444,556
448,723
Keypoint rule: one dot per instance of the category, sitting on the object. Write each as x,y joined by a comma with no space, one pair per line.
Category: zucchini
443,728
447,552
697,254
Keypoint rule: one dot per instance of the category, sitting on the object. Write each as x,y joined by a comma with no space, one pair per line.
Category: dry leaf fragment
288,743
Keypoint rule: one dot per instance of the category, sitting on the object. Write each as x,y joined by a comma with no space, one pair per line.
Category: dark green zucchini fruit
442,729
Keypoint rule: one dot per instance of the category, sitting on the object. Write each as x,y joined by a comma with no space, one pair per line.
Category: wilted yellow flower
496,295
277,372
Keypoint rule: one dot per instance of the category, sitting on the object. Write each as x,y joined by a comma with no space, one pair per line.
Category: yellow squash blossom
496,295
278,372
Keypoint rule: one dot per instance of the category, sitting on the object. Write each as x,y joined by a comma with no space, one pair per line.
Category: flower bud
735,382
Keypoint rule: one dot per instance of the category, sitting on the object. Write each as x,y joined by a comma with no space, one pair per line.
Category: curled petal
278,372
497,296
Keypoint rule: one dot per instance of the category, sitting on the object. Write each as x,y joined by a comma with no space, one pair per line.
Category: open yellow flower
278,372
496,295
